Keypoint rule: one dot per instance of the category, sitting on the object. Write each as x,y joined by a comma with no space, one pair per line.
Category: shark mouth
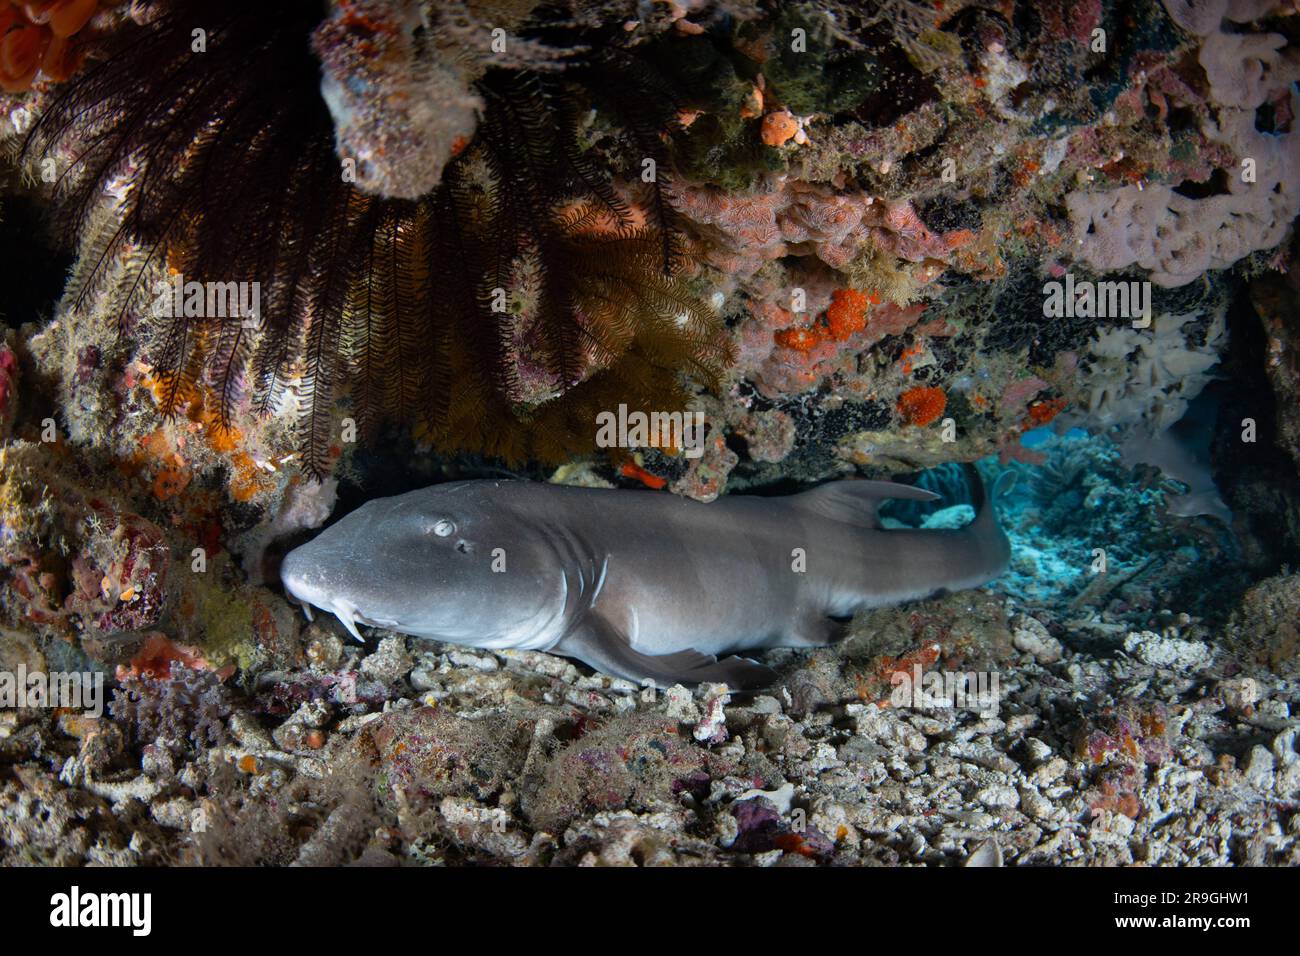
348,616
344,610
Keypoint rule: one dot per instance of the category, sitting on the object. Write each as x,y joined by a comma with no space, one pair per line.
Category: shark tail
985,529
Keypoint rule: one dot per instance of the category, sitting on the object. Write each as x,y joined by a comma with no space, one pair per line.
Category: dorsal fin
856,502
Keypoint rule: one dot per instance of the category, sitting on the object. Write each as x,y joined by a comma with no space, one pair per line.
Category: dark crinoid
529,271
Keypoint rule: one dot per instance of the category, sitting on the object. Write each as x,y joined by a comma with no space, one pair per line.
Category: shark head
432,563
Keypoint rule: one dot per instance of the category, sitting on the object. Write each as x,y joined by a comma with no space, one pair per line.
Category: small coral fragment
921,406
779,128
400,113
801,340
847,313
634,471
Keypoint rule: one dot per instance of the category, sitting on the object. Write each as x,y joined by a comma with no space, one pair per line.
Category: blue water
1083,514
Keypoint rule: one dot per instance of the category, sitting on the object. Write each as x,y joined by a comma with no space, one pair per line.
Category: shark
642,585
1182,452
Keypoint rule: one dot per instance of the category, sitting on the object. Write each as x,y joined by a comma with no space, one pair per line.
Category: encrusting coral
400,112
921,406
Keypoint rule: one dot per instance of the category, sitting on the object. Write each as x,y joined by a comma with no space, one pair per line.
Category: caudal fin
992,540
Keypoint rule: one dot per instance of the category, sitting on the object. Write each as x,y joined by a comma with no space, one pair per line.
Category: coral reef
858,241
426,310
1178,237
357,247
1264,629
518,758
75,561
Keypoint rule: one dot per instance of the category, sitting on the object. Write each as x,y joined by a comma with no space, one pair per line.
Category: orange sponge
922,405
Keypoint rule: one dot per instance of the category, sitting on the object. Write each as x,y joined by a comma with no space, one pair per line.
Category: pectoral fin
597,643
815,629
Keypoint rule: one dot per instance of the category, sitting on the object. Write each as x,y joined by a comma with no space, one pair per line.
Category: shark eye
442,528
462,546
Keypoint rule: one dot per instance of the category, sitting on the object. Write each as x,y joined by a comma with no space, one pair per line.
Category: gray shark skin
1182,452
639,584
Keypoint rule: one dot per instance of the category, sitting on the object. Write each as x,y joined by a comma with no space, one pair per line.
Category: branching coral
1149,376
181,704
219,165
